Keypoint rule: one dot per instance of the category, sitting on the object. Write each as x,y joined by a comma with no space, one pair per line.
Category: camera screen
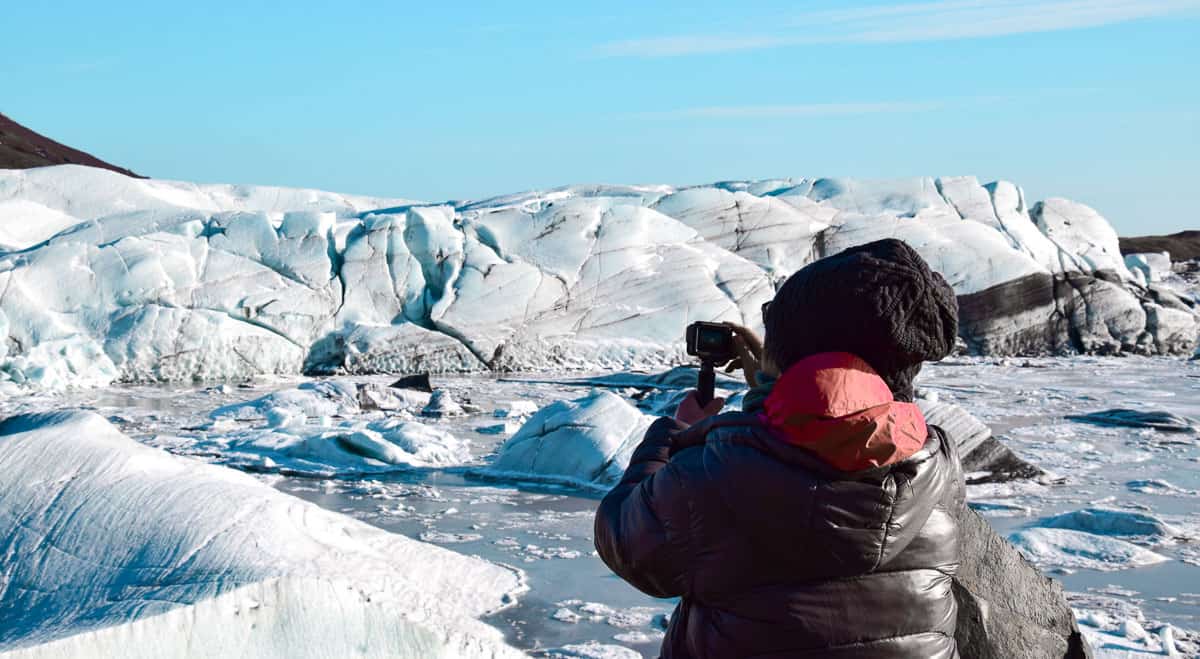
712,340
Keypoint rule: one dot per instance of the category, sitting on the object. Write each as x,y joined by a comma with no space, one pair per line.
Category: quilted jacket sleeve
641,525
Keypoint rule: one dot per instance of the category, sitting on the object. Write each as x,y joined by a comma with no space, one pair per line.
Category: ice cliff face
109,277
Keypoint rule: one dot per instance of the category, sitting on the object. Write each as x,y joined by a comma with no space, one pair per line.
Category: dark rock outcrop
1075,313
1006,607
1183,246
985,459
21,148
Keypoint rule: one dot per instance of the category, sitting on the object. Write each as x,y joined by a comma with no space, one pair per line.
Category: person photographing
820,520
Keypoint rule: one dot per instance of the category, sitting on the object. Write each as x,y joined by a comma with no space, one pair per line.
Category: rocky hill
1183,246
22,148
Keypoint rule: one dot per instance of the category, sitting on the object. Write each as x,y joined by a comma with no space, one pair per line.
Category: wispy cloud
937,20
801,110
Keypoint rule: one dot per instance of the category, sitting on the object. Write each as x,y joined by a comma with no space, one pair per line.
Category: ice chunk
592,650
585,442
1064,548
118,549
441,404
334,397
1107,521
1153,267
352,448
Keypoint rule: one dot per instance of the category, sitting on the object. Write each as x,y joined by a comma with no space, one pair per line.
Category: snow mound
1070,549
585,442
167,281
118,549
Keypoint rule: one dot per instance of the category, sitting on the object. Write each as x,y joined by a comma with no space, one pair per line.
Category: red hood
835,405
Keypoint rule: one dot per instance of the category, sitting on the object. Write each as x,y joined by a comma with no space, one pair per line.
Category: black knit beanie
879,301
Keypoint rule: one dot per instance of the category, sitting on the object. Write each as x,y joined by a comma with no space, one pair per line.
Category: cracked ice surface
143,280
117,549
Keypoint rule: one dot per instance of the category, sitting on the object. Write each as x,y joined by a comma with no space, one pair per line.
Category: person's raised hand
749,348
690,411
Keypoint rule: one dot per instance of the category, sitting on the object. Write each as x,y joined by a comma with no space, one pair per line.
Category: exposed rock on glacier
1006,608
585,442
984,458
1160,420
118,549
174,281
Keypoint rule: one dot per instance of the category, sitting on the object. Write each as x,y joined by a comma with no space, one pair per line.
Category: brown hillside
1183,246
21,148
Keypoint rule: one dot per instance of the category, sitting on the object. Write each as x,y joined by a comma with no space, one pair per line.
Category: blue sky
1095,100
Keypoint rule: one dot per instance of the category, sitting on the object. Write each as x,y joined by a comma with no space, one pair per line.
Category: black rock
981,452
1006,607
999,462
419,382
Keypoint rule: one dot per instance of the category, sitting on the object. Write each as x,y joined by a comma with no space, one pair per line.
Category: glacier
106,278
118,549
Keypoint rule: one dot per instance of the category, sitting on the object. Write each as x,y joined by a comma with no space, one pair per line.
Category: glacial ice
585,442
323,428
1149,268
1105,521
1071,549
118,549
143,280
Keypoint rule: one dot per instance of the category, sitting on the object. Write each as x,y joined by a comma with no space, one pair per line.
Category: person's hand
690,411
749,349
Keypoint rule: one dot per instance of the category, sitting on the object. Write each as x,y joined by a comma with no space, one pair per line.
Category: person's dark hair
880,301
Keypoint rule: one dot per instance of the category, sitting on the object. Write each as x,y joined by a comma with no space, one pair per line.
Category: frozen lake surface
1136,486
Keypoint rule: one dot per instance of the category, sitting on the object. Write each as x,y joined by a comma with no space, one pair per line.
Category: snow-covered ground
1115,518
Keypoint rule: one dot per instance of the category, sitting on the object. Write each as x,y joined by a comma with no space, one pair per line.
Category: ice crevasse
108,278
119,549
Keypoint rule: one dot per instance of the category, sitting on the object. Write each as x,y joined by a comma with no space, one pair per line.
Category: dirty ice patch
1159,486
1071,550
118,549
585,443
1160,420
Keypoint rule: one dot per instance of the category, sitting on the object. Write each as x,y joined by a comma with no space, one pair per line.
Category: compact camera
711,342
